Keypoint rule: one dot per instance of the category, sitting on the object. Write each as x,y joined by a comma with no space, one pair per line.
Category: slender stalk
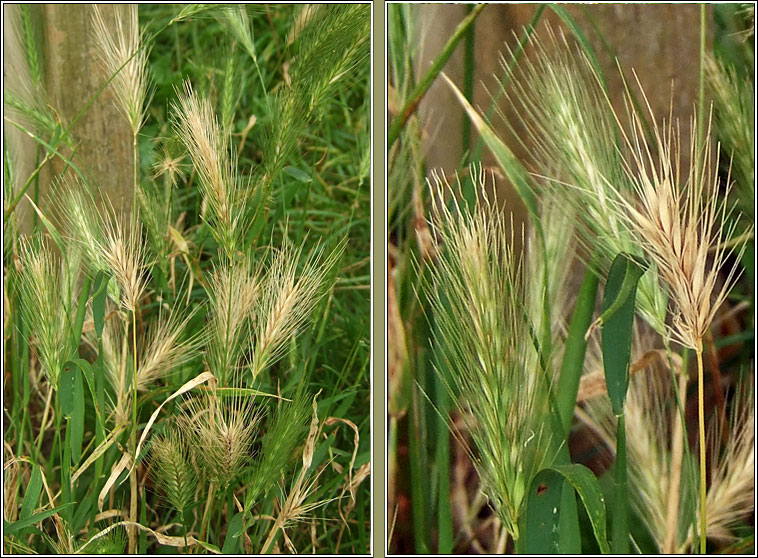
43,424
204,524
675,474
701,428
135,156
701,89
418,93
468,83
620,539
133,443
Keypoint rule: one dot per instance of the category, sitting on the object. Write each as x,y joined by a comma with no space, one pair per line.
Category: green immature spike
173,473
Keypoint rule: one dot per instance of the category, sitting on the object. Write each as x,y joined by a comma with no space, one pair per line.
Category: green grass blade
81,310
89,375
99,294
544,507
143,520
575,348
16,526
618,319
469,66
442,458
66,389
32,493
421,88
618,313
232,541
507,160
76,423
419,476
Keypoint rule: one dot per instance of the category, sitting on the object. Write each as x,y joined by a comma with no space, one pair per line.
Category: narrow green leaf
143,521
510,164
32,493
544,507
618,306
575,348
77,416
66,388
11,528
569,532
445,535
81,309
297,174
49,226
232,541
426,81
89,375
618,318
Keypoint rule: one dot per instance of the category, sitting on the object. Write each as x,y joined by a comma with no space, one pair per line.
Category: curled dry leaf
162,539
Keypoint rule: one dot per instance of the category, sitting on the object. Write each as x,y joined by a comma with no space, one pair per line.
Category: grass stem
620,539
43,424
418,93
675,474
701,428
701,89
206,517
133,443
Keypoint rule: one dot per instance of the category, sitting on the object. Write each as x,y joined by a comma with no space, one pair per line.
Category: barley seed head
124,55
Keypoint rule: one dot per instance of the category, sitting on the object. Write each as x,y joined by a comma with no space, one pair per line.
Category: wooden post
72,74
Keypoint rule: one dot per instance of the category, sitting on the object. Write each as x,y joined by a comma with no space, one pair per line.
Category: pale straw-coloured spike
123,54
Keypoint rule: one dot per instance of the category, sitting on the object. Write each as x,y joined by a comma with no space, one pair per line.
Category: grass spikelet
110,244
31,43
572,134
552,271
286,429
682,225
295,506
221,428
198,129
122,54
488,360
734,102
172,471
117,367
112,542
287,299
165,349
123,252
46,287
731,495
234,293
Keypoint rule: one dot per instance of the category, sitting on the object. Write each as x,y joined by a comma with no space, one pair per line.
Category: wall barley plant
487,357
162,365
658,222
